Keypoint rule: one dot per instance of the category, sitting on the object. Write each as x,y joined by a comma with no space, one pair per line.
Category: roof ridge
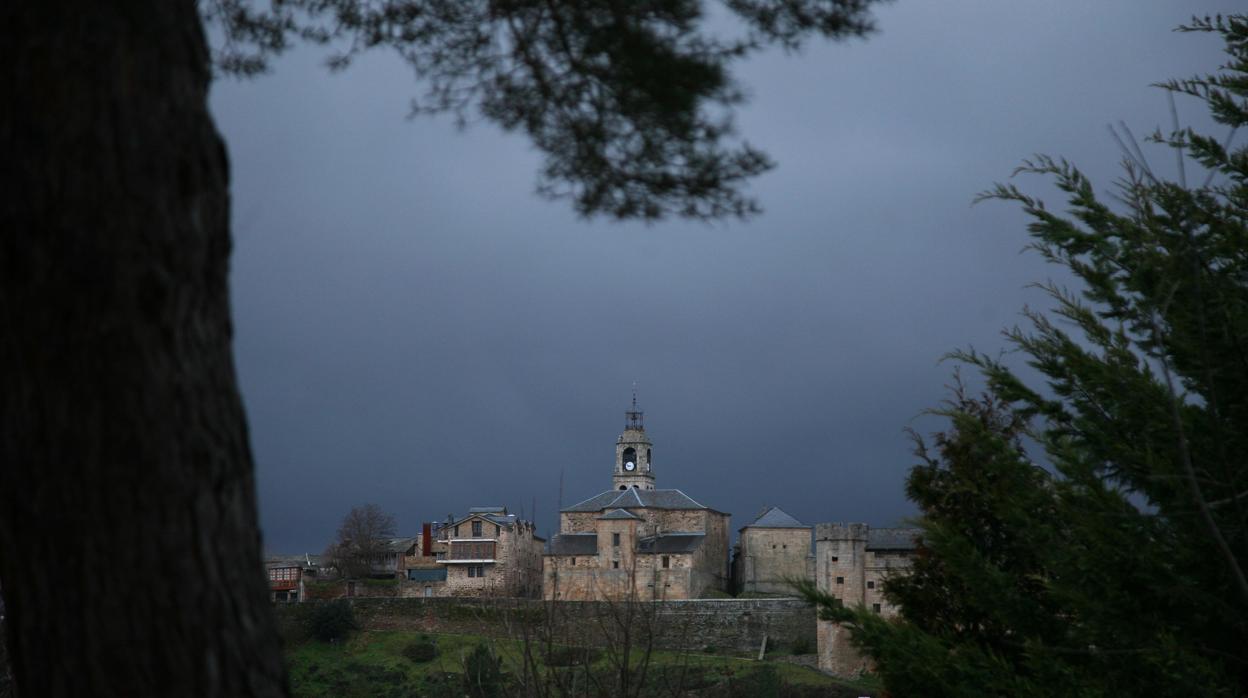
587,499
691,498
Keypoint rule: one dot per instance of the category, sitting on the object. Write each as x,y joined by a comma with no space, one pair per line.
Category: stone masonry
771,553
853,562
635,541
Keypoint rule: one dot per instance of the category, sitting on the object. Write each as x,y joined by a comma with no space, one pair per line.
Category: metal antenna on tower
634,415
560,507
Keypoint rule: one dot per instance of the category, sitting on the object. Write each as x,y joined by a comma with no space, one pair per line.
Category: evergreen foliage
483,673
629,100
1091,538
332,621
422,649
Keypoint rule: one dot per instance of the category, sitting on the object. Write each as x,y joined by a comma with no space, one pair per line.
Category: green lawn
372,663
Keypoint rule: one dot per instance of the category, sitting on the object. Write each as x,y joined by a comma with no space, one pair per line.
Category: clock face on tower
629,465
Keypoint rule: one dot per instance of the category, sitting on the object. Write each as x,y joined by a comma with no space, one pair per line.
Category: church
635,541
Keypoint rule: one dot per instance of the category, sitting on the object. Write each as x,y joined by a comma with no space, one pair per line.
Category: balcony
465,552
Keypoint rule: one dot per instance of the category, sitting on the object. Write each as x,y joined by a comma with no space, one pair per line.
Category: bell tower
633,465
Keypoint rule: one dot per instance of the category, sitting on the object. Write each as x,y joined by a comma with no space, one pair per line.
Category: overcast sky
416,328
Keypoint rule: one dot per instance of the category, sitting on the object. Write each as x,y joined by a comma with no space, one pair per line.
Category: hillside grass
372,663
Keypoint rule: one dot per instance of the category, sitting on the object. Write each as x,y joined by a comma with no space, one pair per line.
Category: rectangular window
573,561
835,558
472,570
871,585
615,564
875,607
476,529
615,539
667,563
840,580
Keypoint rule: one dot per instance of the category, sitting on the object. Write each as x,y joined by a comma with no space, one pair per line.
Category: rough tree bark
129,546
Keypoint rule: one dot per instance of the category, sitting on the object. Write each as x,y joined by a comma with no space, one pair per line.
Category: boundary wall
733,625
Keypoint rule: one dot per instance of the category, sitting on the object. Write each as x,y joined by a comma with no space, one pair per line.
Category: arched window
630,456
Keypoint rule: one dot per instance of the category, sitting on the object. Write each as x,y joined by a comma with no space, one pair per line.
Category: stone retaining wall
732,625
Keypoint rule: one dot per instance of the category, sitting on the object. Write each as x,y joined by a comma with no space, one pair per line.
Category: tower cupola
633,453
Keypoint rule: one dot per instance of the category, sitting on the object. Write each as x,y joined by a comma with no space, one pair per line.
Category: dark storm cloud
416,329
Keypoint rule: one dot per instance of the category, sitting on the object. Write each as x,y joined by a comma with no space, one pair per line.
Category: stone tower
633,464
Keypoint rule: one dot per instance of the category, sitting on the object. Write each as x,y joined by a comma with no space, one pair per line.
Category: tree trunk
129,548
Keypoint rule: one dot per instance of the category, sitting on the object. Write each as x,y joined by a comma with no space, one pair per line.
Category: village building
771,553
423,574
488,552
853,564
389,561
635,541
287,575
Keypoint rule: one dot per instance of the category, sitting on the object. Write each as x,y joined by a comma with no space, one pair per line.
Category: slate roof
892,538
306,560
617,514
671,543
573,544
635,498
496,515
399,545
773,517
487,510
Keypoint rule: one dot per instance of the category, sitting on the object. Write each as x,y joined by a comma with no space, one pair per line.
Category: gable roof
636,498
893,538
488,510
774,517
399,545
306,561
617,514
495,515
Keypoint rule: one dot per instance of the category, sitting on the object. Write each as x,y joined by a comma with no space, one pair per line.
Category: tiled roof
573,544
617,514
636,498
892,538
773,517
671,543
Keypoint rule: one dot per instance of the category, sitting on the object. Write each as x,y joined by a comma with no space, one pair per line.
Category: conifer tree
123,439
1090,537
